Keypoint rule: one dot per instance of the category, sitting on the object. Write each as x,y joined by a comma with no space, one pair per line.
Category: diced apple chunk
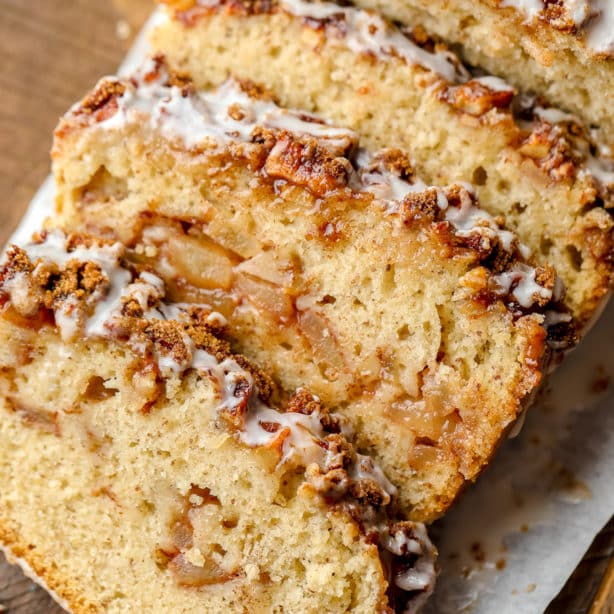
201,262
265,296
318,332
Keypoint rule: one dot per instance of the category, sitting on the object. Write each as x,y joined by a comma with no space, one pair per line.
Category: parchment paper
515,537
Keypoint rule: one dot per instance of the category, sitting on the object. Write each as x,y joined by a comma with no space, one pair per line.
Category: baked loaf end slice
405,307
563,50
144,467
534,165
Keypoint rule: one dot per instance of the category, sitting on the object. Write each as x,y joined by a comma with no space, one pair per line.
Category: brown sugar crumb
17,262
256,91
474,98
236,112
252,7
48,285
500,259
340,452
200,318
263,382
181,80
421,37
77,280
547,146
368,492
188,12
395,161
304,163
421,206
599,244
73,241
303,402
167,337
545,276
265,137
104,93
558,17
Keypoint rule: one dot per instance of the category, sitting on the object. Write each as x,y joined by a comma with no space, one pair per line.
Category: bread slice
562,50
535,166
406,308
144,467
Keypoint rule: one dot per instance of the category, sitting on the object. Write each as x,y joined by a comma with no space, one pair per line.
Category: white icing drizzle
365,468
555,116
18,288
600,29
593,18
228,114
365,32
194,117
197,118
300,433
469,219
521,284
379,181
600,166
601,169
419,577
304,431
495,84
532,8
55,249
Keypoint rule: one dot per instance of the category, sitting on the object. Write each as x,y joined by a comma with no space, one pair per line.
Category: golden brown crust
45,570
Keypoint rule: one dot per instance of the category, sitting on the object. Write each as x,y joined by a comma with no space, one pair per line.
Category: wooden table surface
52,52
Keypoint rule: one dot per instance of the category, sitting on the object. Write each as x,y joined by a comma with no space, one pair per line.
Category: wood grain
52,52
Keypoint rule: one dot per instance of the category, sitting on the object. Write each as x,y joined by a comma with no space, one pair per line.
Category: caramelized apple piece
187,574
265,296
318,332
179,291
201,262
266,266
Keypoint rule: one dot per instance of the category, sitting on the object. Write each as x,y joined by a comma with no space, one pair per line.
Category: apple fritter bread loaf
145,467
537,166
404,307
562,50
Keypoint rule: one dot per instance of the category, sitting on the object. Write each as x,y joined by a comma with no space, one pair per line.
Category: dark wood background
51,53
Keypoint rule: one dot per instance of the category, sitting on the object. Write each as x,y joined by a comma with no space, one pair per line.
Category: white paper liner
513,540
